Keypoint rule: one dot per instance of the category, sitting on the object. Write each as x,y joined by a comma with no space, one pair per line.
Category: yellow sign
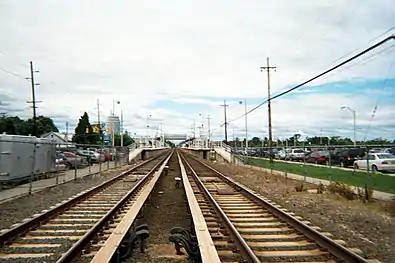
96,129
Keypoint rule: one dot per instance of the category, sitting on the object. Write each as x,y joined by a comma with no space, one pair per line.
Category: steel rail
84,241
245,249
28,225
109,248
323,241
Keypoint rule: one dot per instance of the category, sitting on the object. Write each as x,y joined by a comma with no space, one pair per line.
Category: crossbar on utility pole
269,108
226,122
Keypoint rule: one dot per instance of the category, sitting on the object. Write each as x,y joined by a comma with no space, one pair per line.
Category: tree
171,144
127,140
83,133
17,126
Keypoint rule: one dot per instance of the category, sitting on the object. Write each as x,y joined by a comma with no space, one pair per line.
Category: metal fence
29,163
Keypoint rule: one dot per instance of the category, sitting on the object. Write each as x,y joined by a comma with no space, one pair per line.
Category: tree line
316,140
17,126
84,133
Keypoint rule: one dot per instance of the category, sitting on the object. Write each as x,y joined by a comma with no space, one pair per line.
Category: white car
377,162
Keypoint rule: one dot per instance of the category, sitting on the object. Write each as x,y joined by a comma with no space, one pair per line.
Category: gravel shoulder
25,206
369,227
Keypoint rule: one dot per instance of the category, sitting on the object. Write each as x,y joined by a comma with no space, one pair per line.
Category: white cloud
142,52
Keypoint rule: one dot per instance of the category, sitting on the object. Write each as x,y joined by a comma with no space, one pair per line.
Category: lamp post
121,128
245,120
148,118
354,114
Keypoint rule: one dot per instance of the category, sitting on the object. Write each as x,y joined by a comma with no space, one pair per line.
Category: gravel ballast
166,208
369,227
26,206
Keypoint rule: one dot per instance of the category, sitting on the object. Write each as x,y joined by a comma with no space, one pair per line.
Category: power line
12,73
319,75
370,41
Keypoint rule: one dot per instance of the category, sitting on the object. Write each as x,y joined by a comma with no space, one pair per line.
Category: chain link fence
28,163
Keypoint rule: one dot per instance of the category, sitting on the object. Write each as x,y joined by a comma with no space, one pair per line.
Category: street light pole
121,128
354,114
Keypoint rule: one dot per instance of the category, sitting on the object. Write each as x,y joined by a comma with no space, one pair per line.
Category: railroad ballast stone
369,227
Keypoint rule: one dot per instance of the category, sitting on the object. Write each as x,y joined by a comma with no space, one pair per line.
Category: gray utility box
18,159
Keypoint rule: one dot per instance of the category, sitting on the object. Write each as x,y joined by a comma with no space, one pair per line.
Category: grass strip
379,182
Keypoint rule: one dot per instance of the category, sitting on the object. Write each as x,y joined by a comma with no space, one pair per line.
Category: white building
61,139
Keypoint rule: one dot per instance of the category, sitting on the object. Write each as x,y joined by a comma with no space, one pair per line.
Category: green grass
379,182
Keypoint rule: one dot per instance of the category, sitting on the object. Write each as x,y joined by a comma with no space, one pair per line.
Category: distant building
61,139
113,122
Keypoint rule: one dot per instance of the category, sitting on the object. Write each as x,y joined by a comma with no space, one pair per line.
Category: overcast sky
175,59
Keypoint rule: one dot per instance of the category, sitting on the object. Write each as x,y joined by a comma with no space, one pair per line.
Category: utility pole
67,132
226,123
321,137
208,129
269,108
34,102
98,119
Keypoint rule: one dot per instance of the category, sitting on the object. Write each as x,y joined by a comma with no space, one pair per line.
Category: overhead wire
358,48
12,73
378,100
392,37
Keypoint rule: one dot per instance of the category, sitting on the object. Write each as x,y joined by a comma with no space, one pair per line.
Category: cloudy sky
179,60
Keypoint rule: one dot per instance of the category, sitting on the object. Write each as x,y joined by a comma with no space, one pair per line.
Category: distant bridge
176,137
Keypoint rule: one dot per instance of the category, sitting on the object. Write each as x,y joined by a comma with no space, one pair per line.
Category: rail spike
181,237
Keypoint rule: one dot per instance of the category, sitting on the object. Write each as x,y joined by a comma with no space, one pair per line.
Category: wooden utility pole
34,102
226,123
269,108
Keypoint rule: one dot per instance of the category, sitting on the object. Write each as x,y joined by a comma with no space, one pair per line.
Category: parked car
389,150
377,162
346,157
86,155
295,155
318,157
281,155
60,158
73,160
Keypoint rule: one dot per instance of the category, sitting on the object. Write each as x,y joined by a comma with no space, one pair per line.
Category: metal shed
20,155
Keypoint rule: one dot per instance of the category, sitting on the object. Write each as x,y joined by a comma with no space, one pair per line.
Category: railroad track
81,224
246,227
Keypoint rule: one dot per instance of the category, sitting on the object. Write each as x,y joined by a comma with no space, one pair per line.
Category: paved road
63,176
